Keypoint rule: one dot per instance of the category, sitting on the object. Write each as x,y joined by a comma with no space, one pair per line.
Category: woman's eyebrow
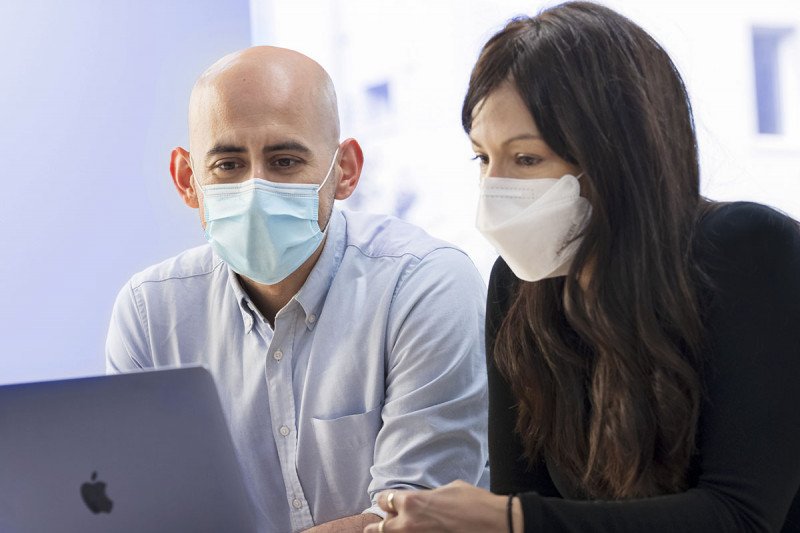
520,137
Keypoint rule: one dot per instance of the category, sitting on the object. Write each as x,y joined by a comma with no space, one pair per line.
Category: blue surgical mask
264,230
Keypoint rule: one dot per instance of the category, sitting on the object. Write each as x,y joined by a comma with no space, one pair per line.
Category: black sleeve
749,433
508,469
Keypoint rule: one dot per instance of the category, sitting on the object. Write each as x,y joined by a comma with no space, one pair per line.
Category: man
347,348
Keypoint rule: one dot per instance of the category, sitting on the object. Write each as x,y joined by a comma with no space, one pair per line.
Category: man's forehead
223,103
292,95
234,120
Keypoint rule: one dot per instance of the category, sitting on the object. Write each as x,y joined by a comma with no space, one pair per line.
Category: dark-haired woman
643,343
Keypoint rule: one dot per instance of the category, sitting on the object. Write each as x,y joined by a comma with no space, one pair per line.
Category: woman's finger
373,528
384,526
391,501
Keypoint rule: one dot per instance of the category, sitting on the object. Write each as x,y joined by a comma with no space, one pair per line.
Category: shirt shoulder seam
168,278
141,314
420,257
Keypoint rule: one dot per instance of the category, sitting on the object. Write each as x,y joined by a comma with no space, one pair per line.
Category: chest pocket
350,443
348,432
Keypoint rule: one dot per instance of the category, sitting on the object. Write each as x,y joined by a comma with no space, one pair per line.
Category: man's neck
269,299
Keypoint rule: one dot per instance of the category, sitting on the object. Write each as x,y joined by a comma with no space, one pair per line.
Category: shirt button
284,431
297,504
312,319
278,355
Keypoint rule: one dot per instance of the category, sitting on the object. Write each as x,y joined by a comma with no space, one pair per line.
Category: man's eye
227,166
528,160
285,162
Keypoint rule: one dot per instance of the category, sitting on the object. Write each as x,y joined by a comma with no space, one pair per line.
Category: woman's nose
495,169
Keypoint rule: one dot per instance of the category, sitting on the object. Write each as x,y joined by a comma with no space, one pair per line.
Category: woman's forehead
502,113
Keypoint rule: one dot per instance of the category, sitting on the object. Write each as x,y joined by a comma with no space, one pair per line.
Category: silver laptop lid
142,452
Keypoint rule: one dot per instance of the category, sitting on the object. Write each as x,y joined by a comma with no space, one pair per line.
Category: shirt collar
312,294
246,307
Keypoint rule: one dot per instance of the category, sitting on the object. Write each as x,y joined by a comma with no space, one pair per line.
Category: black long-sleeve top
748,463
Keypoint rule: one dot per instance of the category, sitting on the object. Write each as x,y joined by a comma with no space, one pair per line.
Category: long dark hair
607,375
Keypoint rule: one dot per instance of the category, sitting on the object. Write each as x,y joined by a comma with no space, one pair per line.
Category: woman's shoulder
501,272
746,231
737,221
502,287
502,281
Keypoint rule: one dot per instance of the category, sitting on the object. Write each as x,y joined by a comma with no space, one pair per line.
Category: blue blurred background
93,96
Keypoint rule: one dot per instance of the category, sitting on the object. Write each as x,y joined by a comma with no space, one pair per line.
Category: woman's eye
528,160
482,159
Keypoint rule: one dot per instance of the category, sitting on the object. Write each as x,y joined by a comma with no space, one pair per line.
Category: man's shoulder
376,235
197,263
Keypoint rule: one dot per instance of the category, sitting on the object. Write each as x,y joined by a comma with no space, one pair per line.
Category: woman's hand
457,507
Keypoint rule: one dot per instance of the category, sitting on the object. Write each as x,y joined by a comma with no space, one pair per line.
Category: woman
643,344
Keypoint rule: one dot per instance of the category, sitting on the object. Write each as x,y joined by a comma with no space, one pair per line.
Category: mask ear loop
328,175
194,176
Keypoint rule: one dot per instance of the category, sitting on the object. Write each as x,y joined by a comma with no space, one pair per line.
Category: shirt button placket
282,410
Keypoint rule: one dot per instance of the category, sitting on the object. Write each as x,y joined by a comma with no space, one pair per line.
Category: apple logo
94,495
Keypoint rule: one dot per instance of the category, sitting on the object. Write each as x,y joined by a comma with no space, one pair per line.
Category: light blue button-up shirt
372,378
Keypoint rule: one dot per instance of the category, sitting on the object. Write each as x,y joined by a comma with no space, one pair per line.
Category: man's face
240,133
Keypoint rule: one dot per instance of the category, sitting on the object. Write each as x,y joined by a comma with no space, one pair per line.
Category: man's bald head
268,114
265,83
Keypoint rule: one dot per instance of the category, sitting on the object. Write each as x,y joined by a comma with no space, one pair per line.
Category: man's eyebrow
292,146
225,149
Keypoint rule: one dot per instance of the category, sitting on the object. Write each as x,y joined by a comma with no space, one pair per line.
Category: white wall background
425,50
93,95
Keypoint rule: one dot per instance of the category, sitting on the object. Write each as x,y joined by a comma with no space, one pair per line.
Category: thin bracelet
509,514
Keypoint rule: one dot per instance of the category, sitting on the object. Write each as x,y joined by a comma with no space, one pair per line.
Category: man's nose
257,170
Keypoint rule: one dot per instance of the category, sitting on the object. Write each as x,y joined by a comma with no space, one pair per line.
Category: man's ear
351,163
181,170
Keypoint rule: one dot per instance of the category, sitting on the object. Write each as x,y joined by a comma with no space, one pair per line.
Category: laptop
143,452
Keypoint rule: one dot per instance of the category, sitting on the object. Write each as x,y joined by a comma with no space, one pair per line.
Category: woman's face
507,142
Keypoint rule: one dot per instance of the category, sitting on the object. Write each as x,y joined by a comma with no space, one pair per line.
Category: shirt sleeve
434,415
749,432
126,342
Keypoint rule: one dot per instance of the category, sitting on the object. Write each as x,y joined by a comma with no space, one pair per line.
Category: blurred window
772,62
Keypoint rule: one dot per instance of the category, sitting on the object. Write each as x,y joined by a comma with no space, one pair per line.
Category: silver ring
390,503
380,525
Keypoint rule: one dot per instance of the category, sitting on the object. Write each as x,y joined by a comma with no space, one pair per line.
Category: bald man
347,347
